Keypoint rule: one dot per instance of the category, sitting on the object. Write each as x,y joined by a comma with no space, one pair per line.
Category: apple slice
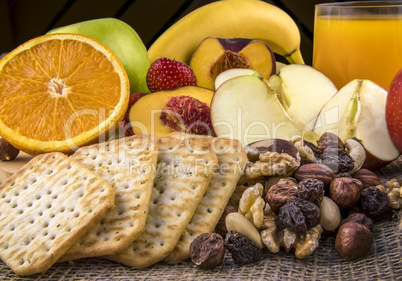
358,111
233,72
247,109
303,91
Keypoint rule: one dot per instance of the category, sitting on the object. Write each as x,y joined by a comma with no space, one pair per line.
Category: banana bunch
253,19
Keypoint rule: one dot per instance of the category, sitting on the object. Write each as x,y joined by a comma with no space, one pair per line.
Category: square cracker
45,207
232,160
129,165
184,170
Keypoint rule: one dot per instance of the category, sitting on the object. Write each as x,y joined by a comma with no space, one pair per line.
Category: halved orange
59,92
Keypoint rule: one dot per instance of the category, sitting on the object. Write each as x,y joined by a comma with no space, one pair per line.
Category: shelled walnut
394,194
251,204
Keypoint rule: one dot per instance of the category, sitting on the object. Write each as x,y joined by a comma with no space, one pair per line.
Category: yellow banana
253,19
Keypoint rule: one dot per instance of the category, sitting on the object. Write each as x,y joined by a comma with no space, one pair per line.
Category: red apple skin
393,115
125,126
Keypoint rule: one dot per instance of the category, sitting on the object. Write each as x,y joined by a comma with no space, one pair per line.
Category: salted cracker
45,207
185,168
129,165
232,160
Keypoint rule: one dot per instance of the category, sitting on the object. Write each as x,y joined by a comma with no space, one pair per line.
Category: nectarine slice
215,55
145,114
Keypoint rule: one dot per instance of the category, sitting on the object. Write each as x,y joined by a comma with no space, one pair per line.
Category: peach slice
145,114
215,55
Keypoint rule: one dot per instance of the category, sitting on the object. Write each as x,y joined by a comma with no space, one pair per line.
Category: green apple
246,108
123,40
357,111
303,91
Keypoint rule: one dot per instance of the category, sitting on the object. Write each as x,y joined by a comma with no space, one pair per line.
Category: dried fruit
242,249
291,217
165,73
7,151
311,212
345,192
187,114
353,240
337,159
315,171
251,204
374,204
279,194
311,190
207,250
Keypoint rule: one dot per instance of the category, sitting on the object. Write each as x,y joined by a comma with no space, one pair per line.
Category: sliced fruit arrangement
60,92
230,19
215,55
123,40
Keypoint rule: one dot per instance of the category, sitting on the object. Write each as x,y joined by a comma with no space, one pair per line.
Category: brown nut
330,140
207,250
353,240
345,192
255,149
220,227
315,171
279,194
359,218
330,214
7,151
367,177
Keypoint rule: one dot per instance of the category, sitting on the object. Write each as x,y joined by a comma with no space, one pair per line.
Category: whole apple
393,113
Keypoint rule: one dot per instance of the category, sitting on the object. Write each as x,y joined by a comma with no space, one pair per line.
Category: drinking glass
358,40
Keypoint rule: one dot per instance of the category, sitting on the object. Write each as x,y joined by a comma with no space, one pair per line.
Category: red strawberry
165,74
125,125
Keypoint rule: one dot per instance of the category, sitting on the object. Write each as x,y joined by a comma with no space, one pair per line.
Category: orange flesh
54,84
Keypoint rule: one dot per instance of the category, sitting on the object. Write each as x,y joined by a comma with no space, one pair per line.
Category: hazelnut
7,151
353,240
279,194
315,171
345,192
220,227
207,250
367,177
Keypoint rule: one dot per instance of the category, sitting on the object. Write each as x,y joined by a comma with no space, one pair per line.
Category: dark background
21,20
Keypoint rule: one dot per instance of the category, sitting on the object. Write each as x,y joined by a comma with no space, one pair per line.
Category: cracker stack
231,161
129,165
185,168
45,207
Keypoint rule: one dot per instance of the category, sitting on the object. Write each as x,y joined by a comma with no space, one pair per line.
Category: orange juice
364,47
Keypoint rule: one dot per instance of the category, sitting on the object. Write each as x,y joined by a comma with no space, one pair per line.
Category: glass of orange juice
358,40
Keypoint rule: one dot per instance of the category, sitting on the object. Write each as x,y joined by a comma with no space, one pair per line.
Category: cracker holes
137,195
155,201
178,214
172,198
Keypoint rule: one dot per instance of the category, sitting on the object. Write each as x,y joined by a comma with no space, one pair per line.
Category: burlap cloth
383,262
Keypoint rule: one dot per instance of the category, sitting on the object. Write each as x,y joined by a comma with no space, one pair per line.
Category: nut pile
292,192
